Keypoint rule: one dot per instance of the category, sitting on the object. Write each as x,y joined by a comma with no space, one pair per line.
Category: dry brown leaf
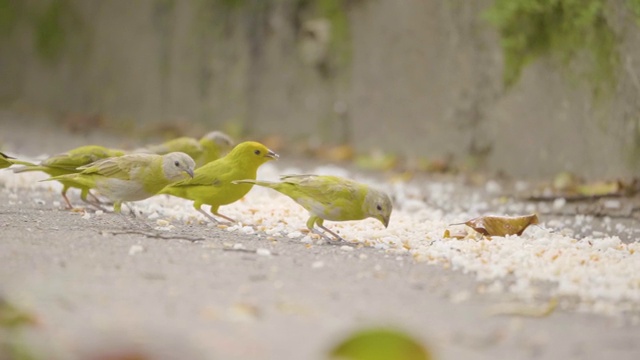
502,225
336,153
455,234
529,310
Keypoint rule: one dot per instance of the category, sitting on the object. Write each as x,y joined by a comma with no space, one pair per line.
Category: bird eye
257,152
177,163
379,208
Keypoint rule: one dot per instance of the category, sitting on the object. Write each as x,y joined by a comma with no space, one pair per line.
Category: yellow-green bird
211,184
209,148
131,177
332,198
6,161
68,163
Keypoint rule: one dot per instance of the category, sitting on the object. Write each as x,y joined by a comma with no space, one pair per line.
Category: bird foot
335,239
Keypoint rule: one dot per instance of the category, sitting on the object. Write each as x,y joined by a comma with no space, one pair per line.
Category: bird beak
272,155
190,172
384,221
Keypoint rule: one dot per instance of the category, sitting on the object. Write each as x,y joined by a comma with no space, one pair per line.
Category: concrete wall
419,77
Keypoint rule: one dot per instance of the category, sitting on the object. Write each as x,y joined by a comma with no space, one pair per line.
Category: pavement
107,285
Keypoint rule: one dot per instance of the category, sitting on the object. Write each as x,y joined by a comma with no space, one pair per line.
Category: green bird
68,163
131,177
331,198
6,161
211,184
209,148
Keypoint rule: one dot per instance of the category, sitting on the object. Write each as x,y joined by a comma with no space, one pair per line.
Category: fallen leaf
528,310
377,161
456,234
380,344
502,225
600,188
244,312
337,153
566,181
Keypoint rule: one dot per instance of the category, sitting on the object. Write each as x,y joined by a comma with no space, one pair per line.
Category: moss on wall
575,33
9,10
50,34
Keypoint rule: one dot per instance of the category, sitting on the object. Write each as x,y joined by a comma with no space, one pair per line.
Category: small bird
6,161
211,184
68,163
209,148
331,198
131,177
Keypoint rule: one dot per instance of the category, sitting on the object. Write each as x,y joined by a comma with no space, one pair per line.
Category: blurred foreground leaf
12,321
380,344
11,316
502,225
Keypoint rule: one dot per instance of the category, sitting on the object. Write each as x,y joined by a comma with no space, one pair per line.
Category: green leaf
380,344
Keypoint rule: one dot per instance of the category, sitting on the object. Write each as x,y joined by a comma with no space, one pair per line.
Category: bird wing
118,167
79,157
322,188
210,174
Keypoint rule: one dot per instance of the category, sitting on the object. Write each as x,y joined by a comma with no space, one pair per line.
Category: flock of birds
210,171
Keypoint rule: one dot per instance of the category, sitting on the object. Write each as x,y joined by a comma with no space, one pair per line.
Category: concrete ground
103,286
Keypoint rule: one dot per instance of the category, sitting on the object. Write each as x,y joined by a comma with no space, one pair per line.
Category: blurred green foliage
565,30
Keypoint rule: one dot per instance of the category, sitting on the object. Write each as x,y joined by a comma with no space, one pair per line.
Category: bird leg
214,220
135,222
94,198
225,217
96,205
95,202
132,212
336,237
66,200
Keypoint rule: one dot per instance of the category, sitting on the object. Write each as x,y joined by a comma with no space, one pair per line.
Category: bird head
220,139
176,164
378,206
251,152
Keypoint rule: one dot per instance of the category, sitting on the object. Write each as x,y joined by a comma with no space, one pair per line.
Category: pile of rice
597,273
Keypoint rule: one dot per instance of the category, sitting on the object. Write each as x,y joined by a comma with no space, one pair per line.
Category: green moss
564,30
232,3
50,35
634,5
8,16
336,12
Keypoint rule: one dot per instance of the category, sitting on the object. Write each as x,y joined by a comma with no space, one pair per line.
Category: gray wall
418,77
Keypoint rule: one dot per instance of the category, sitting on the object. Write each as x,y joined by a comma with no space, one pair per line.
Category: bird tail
255,182
54,178
27,166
